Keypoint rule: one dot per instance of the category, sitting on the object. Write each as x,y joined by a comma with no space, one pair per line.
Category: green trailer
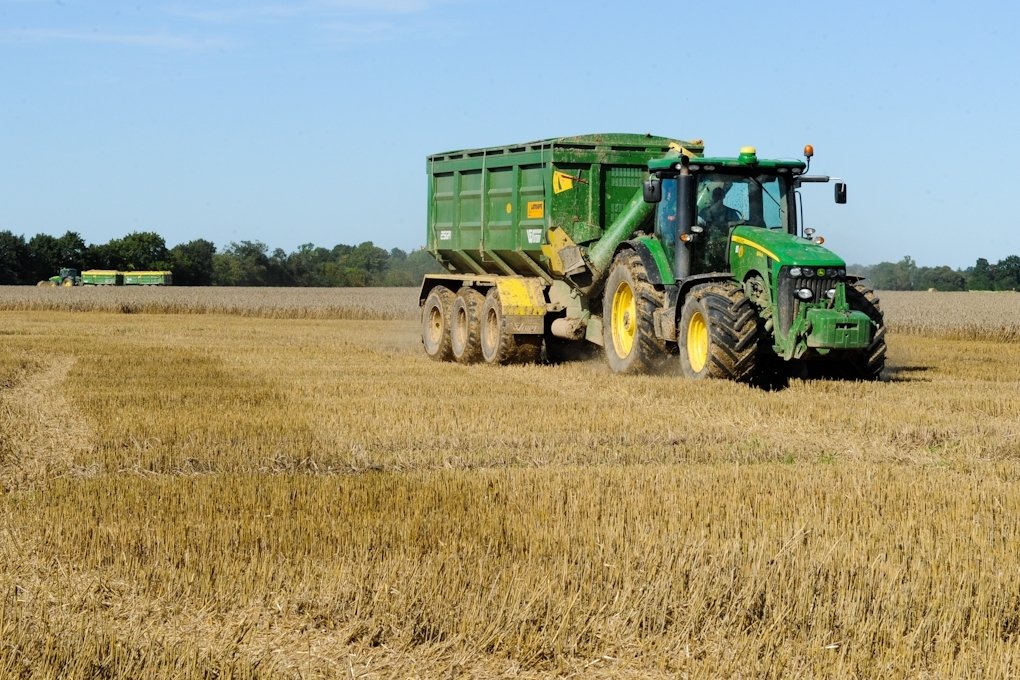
147,278
102,277
491,209
646,247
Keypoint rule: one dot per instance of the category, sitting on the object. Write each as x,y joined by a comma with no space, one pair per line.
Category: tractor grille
789,304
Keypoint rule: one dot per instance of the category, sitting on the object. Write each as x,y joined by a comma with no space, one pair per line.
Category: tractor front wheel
718,333
868,363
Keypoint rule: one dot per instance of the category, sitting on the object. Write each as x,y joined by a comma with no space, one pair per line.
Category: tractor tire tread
733,329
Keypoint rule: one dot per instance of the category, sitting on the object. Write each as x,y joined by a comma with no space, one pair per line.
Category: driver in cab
718,214
710,254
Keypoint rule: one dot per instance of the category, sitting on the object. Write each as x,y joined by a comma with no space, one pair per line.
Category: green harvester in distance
648,248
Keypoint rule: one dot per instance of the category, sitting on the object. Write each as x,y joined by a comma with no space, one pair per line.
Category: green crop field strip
278,483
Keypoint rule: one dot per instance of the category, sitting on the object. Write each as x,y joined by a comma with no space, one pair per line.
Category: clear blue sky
308,121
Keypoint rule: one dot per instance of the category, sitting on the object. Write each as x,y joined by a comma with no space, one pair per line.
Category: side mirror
840,192
653,190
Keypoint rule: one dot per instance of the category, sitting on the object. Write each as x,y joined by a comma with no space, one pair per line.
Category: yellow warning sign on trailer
562,182
536,210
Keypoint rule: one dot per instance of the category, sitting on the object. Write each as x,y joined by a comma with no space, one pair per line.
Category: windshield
725,200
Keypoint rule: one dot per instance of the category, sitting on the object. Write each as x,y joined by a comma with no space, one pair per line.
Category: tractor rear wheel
435,323
68,282
466,326
868,363
628,325
498,345
718,333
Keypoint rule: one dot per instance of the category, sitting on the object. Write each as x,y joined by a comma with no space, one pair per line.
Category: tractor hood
784,249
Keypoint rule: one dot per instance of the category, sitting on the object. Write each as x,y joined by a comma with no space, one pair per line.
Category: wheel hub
623,321
697,342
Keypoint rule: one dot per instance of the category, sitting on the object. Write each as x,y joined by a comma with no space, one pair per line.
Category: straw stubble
196,495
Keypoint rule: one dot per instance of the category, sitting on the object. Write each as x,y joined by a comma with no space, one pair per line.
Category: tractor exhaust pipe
685,219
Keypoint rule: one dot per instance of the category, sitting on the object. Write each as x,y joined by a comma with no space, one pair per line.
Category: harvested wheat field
201,483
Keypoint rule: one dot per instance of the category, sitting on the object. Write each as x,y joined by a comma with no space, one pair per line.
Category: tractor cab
701,201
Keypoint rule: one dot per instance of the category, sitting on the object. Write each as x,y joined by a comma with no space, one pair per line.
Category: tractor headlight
831,293
839,272
803,293
795,272
808,272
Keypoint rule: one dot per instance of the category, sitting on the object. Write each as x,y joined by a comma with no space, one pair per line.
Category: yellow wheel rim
697,342
624,319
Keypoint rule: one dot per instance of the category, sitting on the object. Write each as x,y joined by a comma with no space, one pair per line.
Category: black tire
868,364
435,324
628,326
718,333
466,326
500,346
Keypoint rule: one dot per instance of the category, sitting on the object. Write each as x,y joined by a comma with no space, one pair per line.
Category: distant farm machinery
68,278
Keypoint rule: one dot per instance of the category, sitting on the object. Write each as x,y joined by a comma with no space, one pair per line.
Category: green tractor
731,278
66,278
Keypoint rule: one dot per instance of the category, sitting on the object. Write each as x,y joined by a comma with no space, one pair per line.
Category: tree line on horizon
907,275
251,263
201,263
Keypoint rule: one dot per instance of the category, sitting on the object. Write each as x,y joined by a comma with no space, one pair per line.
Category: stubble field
267,483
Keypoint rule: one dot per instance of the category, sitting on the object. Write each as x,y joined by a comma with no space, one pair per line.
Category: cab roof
745,161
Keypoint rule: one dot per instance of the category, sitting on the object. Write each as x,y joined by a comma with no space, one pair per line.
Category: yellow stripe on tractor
751,244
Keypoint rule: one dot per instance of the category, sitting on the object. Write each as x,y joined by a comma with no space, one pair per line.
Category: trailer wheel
628,325
718,333
466,326
500,346
435,324
868,364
